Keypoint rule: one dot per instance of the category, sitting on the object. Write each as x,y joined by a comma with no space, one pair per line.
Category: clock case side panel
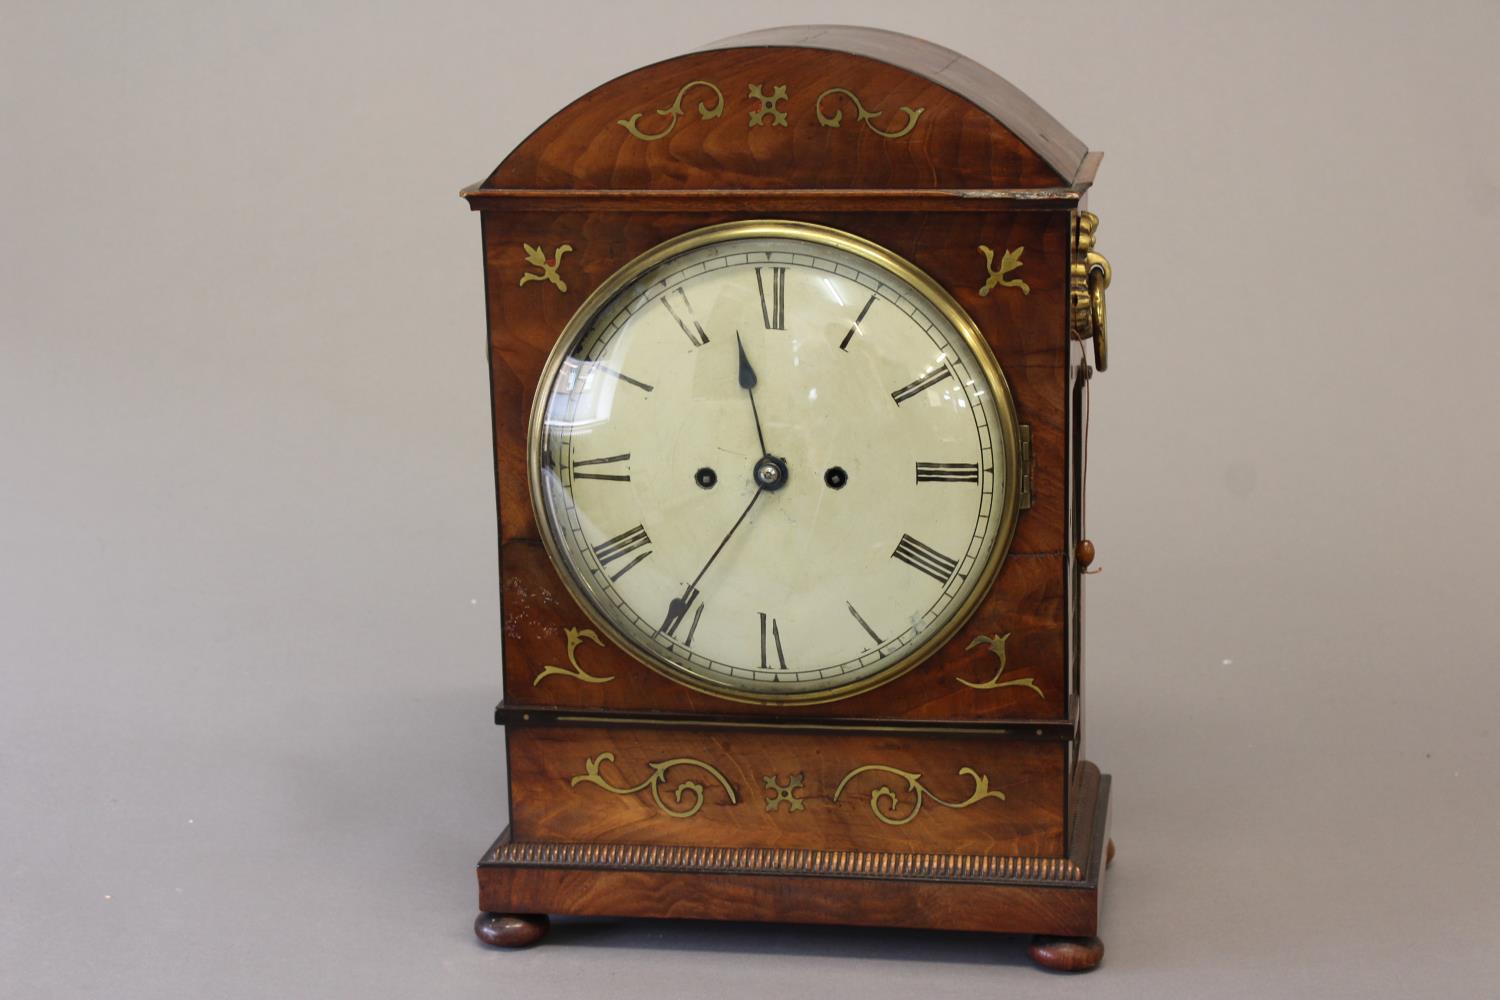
1079,376
1029,601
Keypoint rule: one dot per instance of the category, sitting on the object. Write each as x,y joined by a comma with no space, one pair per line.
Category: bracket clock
789,342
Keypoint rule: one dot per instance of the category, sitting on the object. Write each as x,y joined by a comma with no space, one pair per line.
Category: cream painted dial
774,461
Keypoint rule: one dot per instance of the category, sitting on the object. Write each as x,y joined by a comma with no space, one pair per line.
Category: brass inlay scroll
536,258
768,104
922,793
1009,261
654,781
865,117
575,639
996,644
674,112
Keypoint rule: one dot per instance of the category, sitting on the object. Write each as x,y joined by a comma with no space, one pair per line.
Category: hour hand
747,374
747,382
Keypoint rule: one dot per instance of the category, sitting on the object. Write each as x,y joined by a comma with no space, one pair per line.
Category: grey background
248,640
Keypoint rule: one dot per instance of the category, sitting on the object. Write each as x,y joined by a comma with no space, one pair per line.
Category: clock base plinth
1055,898
511,930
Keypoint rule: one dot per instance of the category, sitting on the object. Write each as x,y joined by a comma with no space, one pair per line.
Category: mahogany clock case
947,166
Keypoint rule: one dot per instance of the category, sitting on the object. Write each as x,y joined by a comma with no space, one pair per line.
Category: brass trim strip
1028,464
983,868
1041,729
772,200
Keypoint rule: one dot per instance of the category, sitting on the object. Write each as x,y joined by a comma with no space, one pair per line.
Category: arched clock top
801,108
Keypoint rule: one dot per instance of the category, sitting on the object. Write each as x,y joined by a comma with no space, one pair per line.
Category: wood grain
1032,125
956,142
947,903
938,906
1029,821
1027,602
1028,336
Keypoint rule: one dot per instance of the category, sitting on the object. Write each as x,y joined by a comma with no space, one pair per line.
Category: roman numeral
924,557
772,310
693,628
864,624
621,546
922,384
775,638
605,476
677,610
947,472
607,370
844,344
693,333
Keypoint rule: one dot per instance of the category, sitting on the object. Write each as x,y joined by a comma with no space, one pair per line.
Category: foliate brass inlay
768,104
922,792
536,258
1009,261
575,639
654,781
865,117
996,644
783,793
674,112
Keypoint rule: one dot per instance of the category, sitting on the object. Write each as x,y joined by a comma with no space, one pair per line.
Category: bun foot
1066,954
1109,853
511,930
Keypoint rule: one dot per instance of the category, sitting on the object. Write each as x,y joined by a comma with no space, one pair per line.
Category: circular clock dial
774,461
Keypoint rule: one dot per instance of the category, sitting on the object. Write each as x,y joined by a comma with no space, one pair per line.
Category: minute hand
678,608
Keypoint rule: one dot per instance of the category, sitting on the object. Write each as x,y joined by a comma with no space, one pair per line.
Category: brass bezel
925,285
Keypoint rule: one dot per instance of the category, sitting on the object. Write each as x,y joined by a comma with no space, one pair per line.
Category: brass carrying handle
1099,275
1091,276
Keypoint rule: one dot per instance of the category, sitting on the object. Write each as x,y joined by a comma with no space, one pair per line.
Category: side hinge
1025,466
